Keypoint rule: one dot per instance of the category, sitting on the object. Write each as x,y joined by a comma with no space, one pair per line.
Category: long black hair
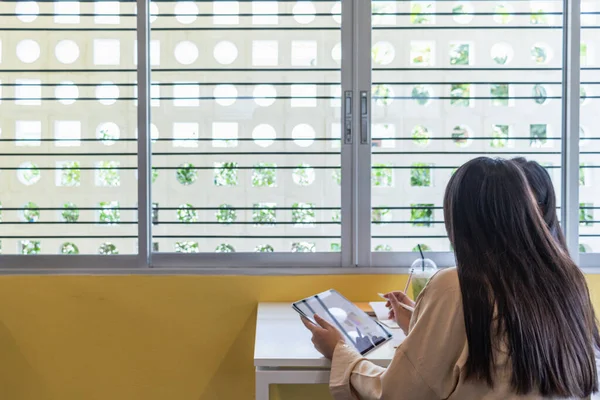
541,184
518,284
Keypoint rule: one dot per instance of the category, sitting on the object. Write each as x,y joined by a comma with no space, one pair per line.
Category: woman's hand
398,313
325,336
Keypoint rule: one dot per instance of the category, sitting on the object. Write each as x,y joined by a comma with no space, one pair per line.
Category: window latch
348,117
364,117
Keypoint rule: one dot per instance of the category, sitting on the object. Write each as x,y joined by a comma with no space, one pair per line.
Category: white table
284,353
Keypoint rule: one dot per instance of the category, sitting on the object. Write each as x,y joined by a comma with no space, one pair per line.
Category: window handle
348,117
364,118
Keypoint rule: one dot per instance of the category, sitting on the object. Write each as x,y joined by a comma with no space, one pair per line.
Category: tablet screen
358,328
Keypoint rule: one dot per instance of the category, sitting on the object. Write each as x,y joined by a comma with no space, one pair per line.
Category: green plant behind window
303,247
381,175
187,247
30,247
500,94
500,135
303,213
503,14
421,94
336,216
225,174
304,175
583,54
70,174
264,175
30,173
70,212
382,95
539,54
383,248
421,214
226,214
108,173
225,248
539,94
110,212
538,17
108,249
264,214
424,247
459,54
187,214
264,248
538,134
460,135
337,176
420,13
186,174
460,95
420,175
31,212
420,136
69,248
380,215
586,214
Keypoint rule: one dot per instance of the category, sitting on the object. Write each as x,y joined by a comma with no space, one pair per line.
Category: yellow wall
149,337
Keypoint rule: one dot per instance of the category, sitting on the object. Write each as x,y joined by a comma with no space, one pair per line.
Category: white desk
284,353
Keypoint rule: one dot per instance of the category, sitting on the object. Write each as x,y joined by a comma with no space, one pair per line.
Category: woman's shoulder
442,287
445,279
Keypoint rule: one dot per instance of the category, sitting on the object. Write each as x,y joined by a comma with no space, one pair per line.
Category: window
475,100
246,162
68,126
260,141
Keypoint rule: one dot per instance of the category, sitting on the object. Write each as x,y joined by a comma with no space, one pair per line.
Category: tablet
359,329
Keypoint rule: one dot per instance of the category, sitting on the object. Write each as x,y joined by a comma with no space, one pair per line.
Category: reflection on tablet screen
359,329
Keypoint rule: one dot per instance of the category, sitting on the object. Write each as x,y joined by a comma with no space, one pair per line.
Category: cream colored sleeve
424,366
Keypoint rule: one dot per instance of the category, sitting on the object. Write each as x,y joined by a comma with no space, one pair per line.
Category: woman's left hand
325,336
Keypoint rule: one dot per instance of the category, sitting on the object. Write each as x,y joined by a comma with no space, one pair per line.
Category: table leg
266,377
262,385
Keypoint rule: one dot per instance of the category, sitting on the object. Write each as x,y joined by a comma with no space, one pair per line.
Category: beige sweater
429,364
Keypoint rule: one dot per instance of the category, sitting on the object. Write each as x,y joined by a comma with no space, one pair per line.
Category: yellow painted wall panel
150,337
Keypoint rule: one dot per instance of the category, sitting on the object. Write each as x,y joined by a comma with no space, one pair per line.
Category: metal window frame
569,154
307,261
570,125
130,263
144,159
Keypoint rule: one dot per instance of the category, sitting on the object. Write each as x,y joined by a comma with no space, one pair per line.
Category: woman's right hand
401,315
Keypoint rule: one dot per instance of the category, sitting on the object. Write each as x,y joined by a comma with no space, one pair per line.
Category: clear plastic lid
424,267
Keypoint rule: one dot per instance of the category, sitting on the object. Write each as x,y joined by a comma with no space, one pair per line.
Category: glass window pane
589,131
67,132
453,81
248,155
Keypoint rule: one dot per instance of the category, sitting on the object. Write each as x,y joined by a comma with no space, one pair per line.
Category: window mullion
570,128
362,81
348,186
144,147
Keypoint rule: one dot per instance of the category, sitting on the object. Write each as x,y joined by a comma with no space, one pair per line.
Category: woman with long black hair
514,320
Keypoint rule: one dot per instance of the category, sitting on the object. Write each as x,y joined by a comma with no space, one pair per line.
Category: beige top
429,364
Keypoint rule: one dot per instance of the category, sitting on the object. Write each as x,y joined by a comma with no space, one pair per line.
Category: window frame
356,255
